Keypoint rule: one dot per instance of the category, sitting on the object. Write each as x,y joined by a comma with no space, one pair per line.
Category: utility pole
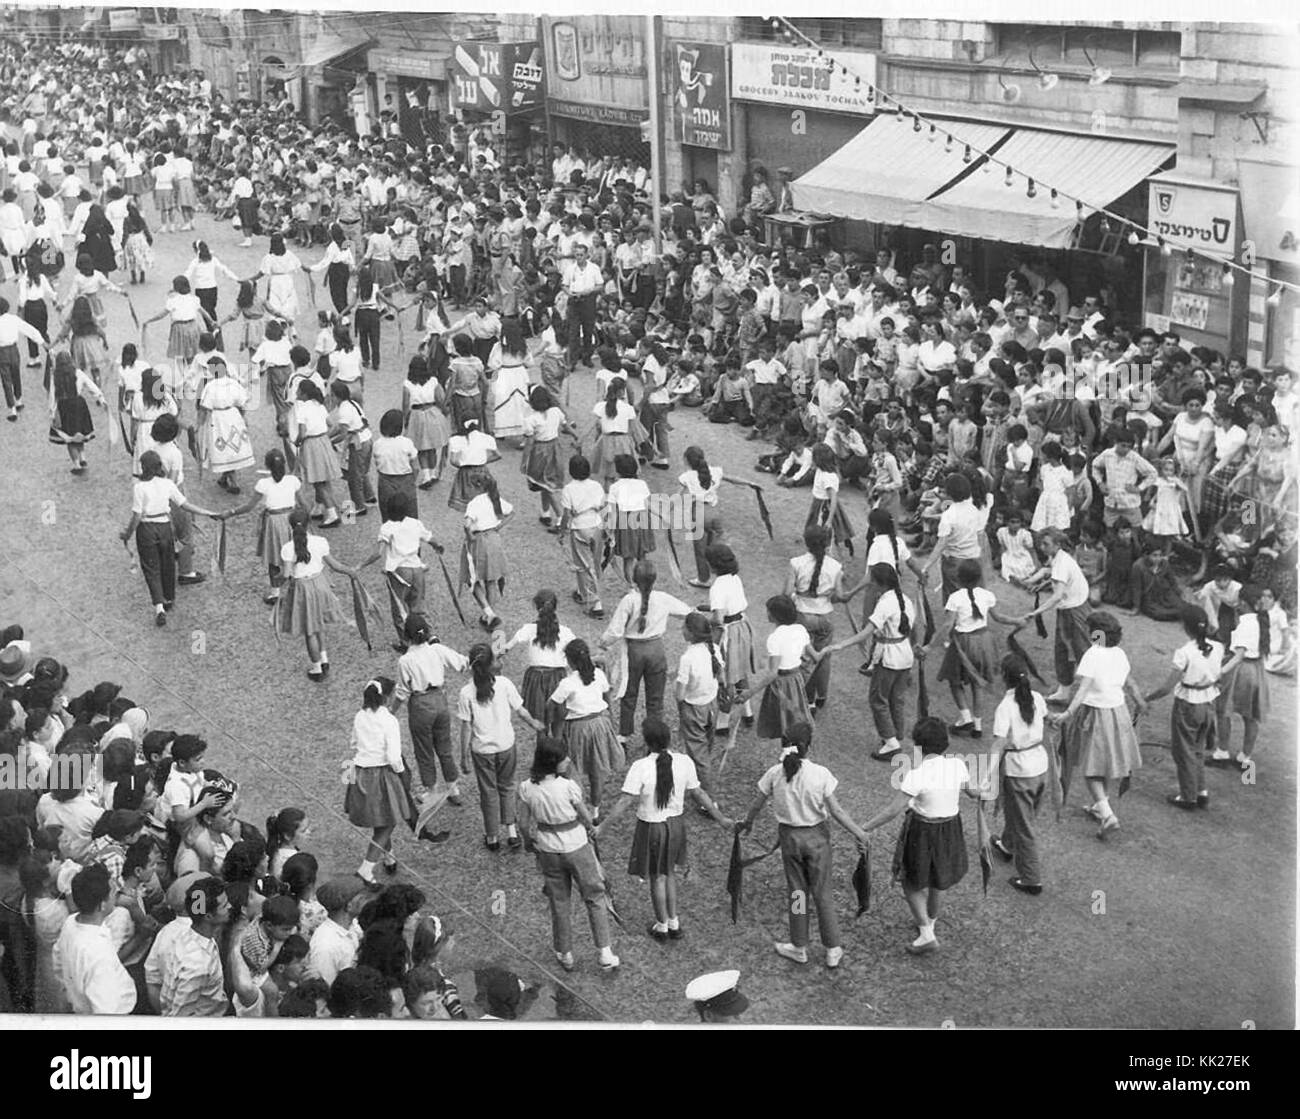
656,128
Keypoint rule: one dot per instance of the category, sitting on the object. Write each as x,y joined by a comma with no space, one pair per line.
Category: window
1108,47
847,34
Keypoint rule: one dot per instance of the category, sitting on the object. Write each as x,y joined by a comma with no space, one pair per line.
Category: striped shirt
187,969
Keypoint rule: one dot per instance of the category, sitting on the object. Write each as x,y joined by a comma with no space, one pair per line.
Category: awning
324,49
885,173
1209,92
1270,206
1096,169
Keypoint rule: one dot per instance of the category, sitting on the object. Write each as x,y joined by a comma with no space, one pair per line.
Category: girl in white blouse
543,641
309,603
816,582
378,782
483,566
318,462
727,606
969,660
616,418
1244,683
540,463
579,717
701,484
277,494
784,701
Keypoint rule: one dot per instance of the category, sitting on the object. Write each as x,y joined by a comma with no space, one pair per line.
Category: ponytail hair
794,747
699,629
657,738
816,538
881,522
488,485
282,827
1197,625
481,665
968,577
548,625
696,461
1015,674
886,577
375,692
1250,593
578,655
613,394
298,521
644,576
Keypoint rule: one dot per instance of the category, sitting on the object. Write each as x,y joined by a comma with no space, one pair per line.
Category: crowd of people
1028,442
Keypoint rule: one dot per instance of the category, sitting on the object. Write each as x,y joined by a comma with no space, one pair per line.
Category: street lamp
1099,73
1046,79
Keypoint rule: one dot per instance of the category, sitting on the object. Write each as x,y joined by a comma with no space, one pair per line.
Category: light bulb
1009,174
1032,191
947,144
1229,276
934,134
1275,299
1056,202
1134,238
965,156
1165,247
916,124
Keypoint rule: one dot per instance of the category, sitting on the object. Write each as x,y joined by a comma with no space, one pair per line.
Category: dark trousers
708,531
806,857
207,298
560,872
725,411
645,661
888,691
817,686
336,279
1191,730
1021,797
582,327
11,375
360,489
431,737
156,547
367,325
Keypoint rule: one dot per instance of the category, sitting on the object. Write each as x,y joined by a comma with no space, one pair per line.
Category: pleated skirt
1248,692
307,606
738,650
1101,742
784,703
317,461
658,849
930,854
428,429
979,650
543,463
593,745
489,555
379,799
273,534
465,486
183,341
538,686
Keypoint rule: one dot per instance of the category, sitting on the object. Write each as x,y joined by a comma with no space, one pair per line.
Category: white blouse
317,548
377,739
787,643
480,516
579,699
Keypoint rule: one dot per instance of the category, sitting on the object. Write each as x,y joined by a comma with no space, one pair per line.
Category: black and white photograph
570,520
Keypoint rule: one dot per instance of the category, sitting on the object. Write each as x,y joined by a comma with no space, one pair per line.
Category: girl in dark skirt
629,497
71,425
544,641
826,508
579,711
1243,686
658,785
540,462
470,451
395,457
378,782
930,856
785,700
969,661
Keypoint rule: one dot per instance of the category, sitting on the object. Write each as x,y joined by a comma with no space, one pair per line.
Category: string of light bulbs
1138,235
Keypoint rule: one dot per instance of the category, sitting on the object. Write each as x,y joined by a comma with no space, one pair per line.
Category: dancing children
351,430
618,427
395,458
540,461
421,676
401,535
696,687
732,630
701,484
483,557
425,421
802,794
930,856
892,633
579,708
309,604
544,641
470,451
555,821
629,510
826,508
1243,684
152,499
969,661
318,463
223,432
639,623
1018,756
71,423
277,494
658,785
487,735
785,700
378,789
1194,680
816,582
582,505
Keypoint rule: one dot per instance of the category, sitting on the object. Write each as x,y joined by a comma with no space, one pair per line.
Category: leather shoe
1178,802
1202,800
885,755
1026,887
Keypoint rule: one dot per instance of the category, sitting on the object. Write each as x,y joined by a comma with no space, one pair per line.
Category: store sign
1189,215
701,102
407,65
160,32
598,60
493,77
596,114
782,74
123,19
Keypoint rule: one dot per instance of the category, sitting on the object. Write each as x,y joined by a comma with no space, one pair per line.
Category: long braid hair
644,576
696,461
657,739
488,485
815,539
298,521
699,629
969,574
880,522
482,665
885,576
1015,674
1197,625
548,624
578,655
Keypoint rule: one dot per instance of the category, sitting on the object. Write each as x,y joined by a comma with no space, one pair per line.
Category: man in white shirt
583,282
334,943
85,957
957,534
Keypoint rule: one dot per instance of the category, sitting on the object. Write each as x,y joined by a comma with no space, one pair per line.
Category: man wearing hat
335,941
717,996
15,664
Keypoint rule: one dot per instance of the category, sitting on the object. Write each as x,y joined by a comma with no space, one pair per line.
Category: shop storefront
412,93
701,107
1270,205
501,86
1188,293
597,87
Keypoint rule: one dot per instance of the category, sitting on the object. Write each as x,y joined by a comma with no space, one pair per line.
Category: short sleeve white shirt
1108,669
640,783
